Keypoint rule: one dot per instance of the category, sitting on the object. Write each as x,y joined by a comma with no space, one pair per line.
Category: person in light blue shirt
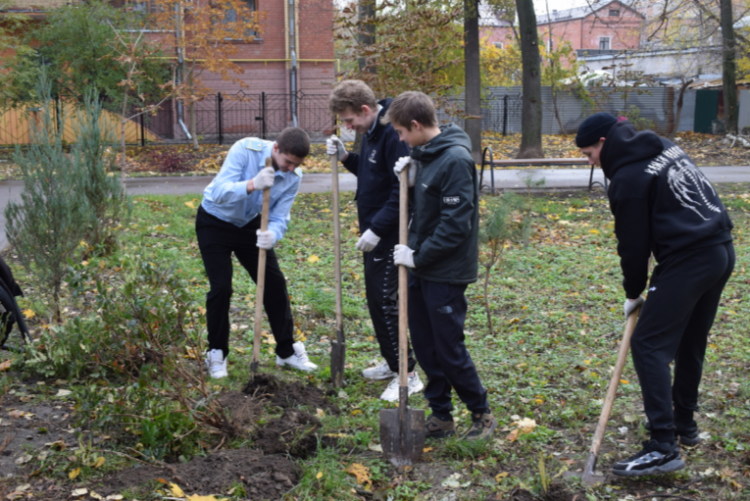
228,221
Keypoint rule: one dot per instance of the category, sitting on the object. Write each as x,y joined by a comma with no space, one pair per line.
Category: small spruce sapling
498,227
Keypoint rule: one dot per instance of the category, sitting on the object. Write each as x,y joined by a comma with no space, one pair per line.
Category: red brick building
610,26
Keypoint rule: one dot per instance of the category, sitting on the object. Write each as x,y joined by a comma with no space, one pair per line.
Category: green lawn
557,311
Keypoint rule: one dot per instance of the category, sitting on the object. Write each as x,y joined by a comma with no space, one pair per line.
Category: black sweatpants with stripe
381,289
683,298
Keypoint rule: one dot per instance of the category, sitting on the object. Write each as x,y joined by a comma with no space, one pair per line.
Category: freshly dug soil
240,409
264,477
289,395
293,433
556,492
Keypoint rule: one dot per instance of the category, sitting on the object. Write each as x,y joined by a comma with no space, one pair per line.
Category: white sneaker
299,360
379,372
216,364
391,392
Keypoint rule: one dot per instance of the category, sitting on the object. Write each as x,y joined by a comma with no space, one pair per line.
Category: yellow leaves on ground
99,462
313,259
29,313
319,475
176,491
191,203
74,473
5,366
500,476
197,497
361,473
523,427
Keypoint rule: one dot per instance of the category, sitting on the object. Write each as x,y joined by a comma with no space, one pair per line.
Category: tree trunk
366,14
472,78
729,73
531,107
680,101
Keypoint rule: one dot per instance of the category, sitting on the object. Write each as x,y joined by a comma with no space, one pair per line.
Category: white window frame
498,45
608,41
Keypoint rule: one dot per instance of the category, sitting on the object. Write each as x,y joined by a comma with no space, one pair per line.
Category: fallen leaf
63,393
99,462
95,495
197,497
74,473
319,474
375,447
176,491
313,259
500,476
190,204
5,366
79,492
427,449
29,313
361,473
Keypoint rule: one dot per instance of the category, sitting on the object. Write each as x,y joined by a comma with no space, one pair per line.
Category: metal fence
225,118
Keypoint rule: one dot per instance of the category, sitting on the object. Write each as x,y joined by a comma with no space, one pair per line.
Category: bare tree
729,67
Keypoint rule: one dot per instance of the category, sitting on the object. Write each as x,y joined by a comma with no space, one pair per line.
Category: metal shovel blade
402,439
338,361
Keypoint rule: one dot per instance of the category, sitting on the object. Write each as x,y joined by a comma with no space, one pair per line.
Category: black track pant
381,288
437,312
217,240
683,297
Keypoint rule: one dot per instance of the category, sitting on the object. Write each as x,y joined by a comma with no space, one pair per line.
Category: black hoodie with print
662,203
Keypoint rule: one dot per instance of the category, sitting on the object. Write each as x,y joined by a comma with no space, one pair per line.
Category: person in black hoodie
377,204
663,204
442,256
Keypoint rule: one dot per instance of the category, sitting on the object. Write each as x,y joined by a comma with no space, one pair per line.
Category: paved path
318,183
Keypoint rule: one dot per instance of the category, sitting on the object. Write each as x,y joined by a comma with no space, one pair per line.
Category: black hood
624,145
379,127
450,135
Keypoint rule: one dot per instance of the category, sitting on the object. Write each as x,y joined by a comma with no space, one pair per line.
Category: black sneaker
437,428
482,427
655,457
688,437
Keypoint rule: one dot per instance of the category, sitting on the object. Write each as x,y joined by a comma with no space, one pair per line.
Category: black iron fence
226,118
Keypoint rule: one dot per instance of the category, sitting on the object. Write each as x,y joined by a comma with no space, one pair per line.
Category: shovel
260,283
588,476
338,347
402,430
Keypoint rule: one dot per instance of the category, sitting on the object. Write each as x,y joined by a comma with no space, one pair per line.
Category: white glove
266,239
368,241
334,146
264,179
403,162
632,304
403,256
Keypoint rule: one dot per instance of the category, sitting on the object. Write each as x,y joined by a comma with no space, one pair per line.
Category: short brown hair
352,94
294,141
408,106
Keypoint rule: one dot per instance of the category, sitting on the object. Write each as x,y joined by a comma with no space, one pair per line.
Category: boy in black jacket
377,204
663,205
442,256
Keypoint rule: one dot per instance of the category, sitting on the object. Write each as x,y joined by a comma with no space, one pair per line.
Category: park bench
491,163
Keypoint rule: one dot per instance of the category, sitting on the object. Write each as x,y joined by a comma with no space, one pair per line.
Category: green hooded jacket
444,228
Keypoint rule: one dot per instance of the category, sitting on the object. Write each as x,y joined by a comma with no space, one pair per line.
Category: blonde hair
351,94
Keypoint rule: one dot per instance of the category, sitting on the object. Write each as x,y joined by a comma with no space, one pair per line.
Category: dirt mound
556,492
240,409
264,477
293,433
289,395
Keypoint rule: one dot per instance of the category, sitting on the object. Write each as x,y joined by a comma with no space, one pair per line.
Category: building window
231,16
614,12
603,43
498,45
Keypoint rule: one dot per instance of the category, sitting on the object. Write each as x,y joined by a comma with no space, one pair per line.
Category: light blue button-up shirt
227,198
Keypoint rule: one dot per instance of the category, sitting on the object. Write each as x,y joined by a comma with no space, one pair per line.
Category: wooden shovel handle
403,277
337,243
260,283
622,358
